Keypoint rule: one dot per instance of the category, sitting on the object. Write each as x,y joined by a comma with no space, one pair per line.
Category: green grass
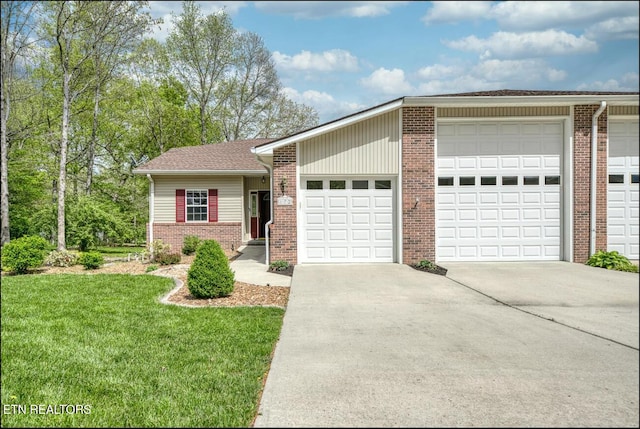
105,341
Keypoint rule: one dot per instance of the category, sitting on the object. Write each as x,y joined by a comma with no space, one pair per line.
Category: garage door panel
360,219
467,198
360,202
337,219
511,221
315,219
622,198
338,235
315,235
347,225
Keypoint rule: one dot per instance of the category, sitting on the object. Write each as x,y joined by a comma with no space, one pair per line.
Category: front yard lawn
104,344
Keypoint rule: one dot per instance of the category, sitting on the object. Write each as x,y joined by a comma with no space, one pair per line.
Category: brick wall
283,238
228,234
418,162
582,182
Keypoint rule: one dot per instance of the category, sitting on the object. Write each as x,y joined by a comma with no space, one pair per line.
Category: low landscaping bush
210,275
190,244
157,248
612,260
151,268
24,253
279,265
61,258
168,258
91,260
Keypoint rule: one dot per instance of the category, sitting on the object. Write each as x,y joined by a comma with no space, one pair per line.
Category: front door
260,207
264,211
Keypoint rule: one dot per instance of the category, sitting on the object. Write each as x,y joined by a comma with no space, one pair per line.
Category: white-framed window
197,205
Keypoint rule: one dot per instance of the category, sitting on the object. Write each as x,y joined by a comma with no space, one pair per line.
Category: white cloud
619,28
388,82
454,11
524,71
327,61
628,83
328,108
525,45
466,83
323,9
598,17
439,71
539,15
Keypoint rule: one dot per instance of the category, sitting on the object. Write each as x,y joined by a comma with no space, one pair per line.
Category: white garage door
498,191
622,189
347,220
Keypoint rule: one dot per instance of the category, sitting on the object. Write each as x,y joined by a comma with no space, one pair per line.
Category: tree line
88,94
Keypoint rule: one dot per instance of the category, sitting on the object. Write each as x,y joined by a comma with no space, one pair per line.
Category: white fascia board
268,148
523,100
200,172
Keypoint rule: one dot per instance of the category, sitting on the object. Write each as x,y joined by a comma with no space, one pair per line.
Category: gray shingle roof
233,156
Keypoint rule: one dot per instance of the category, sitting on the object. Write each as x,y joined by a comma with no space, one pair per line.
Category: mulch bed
285,272
436,269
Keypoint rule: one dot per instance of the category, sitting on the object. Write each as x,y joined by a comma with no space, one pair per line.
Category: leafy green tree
15,39
91,222
201,50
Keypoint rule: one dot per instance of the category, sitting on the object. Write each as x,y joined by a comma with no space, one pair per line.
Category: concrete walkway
250,268
384,345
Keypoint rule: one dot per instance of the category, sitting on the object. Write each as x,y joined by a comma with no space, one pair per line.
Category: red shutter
180,200
213,205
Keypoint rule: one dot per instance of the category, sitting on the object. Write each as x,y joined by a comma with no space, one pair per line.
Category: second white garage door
498,191
622,189
347,220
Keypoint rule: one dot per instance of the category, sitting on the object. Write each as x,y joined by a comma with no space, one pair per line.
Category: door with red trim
253,209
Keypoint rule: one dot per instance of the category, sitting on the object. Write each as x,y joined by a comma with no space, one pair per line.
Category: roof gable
232,157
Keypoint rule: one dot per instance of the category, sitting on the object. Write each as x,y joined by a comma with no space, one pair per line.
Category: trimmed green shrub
190,244
157,248
210,275
61,258
168,258
24,253
91,260
279,265
611,261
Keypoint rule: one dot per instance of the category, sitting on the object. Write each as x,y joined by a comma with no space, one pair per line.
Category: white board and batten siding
356,223
229,195
498,191
367,147
622,188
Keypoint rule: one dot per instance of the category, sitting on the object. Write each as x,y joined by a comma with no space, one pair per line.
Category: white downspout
594,163
267,230
152,191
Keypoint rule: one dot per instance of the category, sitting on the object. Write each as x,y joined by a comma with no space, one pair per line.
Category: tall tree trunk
91,152
62,179
4,173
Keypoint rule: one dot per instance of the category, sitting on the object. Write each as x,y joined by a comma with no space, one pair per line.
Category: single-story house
506,175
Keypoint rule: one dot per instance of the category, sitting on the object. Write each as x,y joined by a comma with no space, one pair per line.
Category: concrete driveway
508,345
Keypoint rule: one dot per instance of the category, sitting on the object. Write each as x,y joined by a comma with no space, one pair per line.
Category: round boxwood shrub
91,260
24,253
190,244
210,275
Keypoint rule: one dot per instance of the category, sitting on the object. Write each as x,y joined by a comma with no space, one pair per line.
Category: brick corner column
582,182
283,235
418,184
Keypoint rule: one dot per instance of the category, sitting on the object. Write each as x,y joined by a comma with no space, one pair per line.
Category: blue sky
341,57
